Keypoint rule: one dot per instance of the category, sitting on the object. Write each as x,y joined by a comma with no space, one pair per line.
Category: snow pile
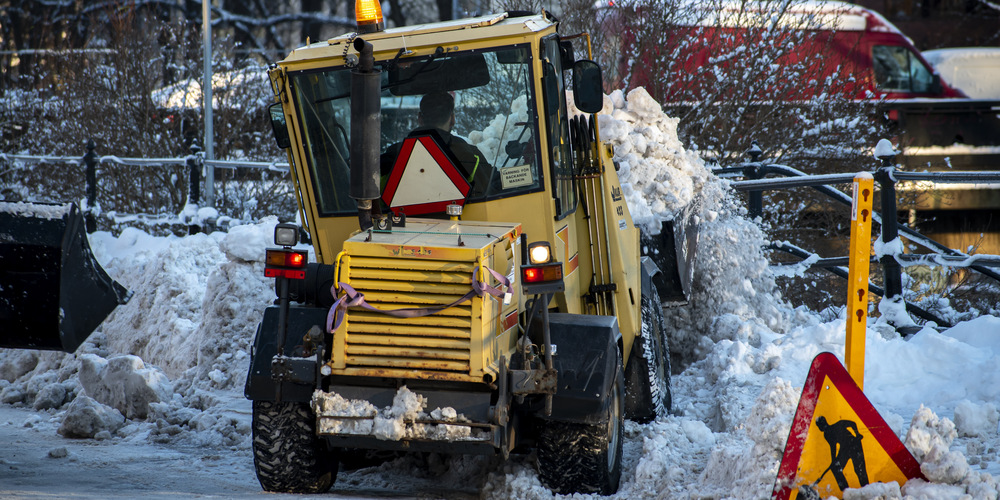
161,360
160,322
972,420
947,470
734,295
749,459
659,177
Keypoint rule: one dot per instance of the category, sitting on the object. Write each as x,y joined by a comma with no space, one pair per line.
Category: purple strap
354,298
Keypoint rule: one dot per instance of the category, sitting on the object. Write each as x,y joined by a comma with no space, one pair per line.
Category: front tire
287,454
584,458
648,373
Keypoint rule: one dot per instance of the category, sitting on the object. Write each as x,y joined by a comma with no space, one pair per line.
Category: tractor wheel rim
614,415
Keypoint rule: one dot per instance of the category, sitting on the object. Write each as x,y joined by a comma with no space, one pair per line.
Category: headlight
539,252
286,234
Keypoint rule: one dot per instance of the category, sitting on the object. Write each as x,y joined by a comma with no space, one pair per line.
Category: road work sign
838,440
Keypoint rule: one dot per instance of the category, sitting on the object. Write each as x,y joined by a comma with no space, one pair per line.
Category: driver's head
437,109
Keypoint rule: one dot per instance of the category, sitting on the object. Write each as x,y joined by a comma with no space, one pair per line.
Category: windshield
898,69
478,104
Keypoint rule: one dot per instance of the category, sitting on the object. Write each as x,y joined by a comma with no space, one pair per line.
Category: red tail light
542,273
285,263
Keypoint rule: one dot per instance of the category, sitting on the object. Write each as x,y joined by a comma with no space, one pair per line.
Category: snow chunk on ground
874,491
124,383
976,420
51,396
86,417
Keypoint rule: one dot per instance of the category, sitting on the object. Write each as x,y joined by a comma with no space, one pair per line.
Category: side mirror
588,90
279,126
936,87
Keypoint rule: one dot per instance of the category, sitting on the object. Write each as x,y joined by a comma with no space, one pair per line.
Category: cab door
561,170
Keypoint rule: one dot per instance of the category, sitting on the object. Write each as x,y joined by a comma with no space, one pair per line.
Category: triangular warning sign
425,177
838,440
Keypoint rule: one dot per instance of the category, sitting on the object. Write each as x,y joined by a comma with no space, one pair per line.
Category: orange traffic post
857,276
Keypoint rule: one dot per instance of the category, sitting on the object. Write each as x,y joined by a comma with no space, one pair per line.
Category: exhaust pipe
366,131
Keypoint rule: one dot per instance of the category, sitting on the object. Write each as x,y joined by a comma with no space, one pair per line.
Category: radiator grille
438,342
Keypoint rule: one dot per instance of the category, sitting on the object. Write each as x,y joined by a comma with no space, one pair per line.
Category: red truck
830,47
696,53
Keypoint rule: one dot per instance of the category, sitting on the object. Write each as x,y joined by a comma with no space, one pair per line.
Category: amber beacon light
369,16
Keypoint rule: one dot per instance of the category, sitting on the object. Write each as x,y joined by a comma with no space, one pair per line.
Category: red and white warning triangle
838,440
425,177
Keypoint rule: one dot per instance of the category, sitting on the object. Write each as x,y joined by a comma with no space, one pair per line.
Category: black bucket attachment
53,293
673,251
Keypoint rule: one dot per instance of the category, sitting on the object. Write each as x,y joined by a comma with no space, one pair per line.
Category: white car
974,70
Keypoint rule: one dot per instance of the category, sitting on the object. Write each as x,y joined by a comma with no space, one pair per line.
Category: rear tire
648,372
583,458
287,454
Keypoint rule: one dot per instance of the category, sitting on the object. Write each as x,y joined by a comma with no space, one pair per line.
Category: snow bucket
53,293
673,250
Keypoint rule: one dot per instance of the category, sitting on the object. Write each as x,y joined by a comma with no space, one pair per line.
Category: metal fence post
194,164
755,202
90,160
891,270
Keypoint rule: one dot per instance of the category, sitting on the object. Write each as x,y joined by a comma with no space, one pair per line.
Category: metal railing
757,181
195,162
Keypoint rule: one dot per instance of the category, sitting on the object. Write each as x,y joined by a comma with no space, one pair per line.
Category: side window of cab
557,128
898,69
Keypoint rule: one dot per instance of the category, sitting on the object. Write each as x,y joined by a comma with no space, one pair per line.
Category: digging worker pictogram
845,445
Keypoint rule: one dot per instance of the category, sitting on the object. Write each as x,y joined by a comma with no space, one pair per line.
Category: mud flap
586,360
260,384
53,293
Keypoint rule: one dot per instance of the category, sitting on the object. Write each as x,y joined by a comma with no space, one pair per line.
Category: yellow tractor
478,284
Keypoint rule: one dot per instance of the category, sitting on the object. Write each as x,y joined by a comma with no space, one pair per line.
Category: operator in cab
437,114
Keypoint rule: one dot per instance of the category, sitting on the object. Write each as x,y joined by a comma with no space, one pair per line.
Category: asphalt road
37,463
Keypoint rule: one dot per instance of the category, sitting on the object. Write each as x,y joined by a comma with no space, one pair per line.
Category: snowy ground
152,405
